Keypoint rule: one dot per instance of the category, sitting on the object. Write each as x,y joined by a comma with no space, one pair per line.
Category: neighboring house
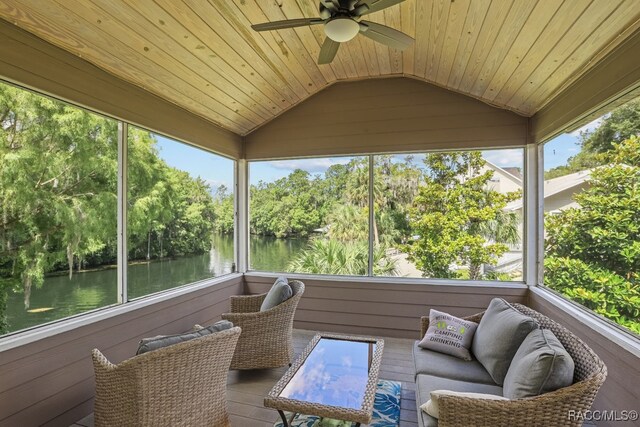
558,195
504,180
558,192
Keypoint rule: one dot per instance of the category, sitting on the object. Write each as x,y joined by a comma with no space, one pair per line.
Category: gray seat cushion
425,384
434,363
161,341
279,293
499,335
540,365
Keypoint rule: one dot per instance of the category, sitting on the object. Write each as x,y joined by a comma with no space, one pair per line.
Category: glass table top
335,373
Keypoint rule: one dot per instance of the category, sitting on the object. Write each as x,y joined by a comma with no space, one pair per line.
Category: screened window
449,215
180,218
592,216
58,202
310,216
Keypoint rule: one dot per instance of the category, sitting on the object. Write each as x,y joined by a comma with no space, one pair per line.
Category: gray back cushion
279,293
498,337
540,365
160,341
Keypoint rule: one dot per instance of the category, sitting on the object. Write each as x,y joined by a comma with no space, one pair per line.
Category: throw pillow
161,341
498,337
540,365
431,406
279,293
449,334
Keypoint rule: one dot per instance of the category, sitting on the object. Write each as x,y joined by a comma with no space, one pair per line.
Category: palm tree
324,256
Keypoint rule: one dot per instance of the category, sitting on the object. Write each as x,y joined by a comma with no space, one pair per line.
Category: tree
593,252
621,124
453,214
58,174
324,256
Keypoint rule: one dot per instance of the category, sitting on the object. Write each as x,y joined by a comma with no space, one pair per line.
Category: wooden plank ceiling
203,55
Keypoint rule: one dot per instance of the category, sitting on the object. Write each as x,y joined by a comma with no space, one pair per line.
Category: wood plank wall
385,115
29,61
382,308
620,390
50,382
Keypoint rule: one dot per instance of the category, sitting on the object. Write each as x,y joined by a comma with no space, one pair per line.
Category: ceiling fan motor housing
341,29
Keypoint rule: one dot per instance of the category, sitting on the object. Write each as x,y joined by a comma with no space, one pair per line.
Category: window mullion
371,216
122,211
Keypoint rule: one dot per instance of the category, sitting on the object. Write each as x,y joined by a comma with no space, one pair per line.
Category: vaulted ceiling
203,56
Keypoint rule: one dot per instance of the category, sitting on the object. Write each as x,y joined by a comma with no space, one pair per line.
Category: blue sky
218,170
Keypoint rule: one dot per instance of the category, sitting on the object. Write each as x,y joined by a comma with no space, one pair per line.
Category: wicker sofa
437,371
181,385
266,340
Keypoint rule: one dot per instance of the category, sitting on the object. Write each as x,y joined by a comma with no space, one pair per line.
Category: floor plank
246,389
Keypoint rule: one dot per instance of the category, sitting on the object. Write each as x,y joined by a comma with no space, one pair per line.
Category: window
58,202
449,215
592,216
180,217
310,215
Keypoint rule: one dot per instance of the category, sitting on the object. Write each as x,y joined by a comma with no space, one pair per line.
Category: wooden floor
246,390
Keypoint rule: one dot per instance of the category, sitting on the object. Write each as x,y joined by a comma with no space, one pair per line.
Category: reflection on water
335,373
271,254
61,297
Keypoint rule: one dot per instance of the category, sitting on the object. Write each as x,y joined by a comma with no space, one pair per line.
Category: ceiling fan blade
328,51
289,23
374,6
385,35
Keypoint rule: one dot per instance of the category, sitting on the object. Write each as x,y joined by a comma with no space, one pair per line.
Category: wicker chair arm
246,303
424,322
247,320
100,362
547,410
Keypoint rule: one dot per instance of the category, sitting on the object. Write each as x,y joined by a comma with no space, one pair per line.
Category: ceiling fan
342,20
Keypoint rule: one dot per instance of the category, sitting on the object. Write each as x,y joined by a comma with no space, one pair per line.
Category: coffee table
336,376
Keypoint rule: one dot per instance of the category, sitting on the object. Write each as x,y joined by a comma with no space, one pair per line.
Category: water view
60,297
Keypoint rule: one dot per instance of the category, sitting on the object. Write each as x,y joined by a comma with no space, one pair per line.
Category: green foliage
604,292
621,124
454,214
323,256
290,206
600,241
58,195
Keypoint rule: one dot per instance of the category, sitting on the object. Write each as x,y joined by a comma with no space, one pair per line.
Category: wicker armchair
181,385
547,410
266,335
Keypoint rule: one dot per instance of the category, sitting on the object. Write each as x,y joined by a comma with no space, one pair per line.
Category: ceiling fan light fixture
341,29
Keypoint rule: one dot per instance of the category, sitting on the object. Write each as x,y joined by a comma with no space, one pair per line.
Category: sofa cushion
432,406
434,363
540,365
161,341
449,335
279,293
499,335
425,384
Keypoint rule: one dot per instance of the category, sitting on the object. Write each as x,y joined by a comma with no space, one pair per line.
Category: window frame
529,189
123,304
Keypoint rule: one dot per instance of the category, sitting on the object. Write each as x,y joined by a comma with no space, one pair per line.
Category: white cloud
589,127
509,157
319,165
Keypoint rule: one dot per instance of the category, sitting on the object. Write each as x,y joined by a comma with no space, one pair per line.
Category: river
60,297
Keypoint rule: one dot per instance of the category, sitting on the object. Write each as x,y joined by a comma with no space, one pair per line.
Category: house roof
557,185
204,57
